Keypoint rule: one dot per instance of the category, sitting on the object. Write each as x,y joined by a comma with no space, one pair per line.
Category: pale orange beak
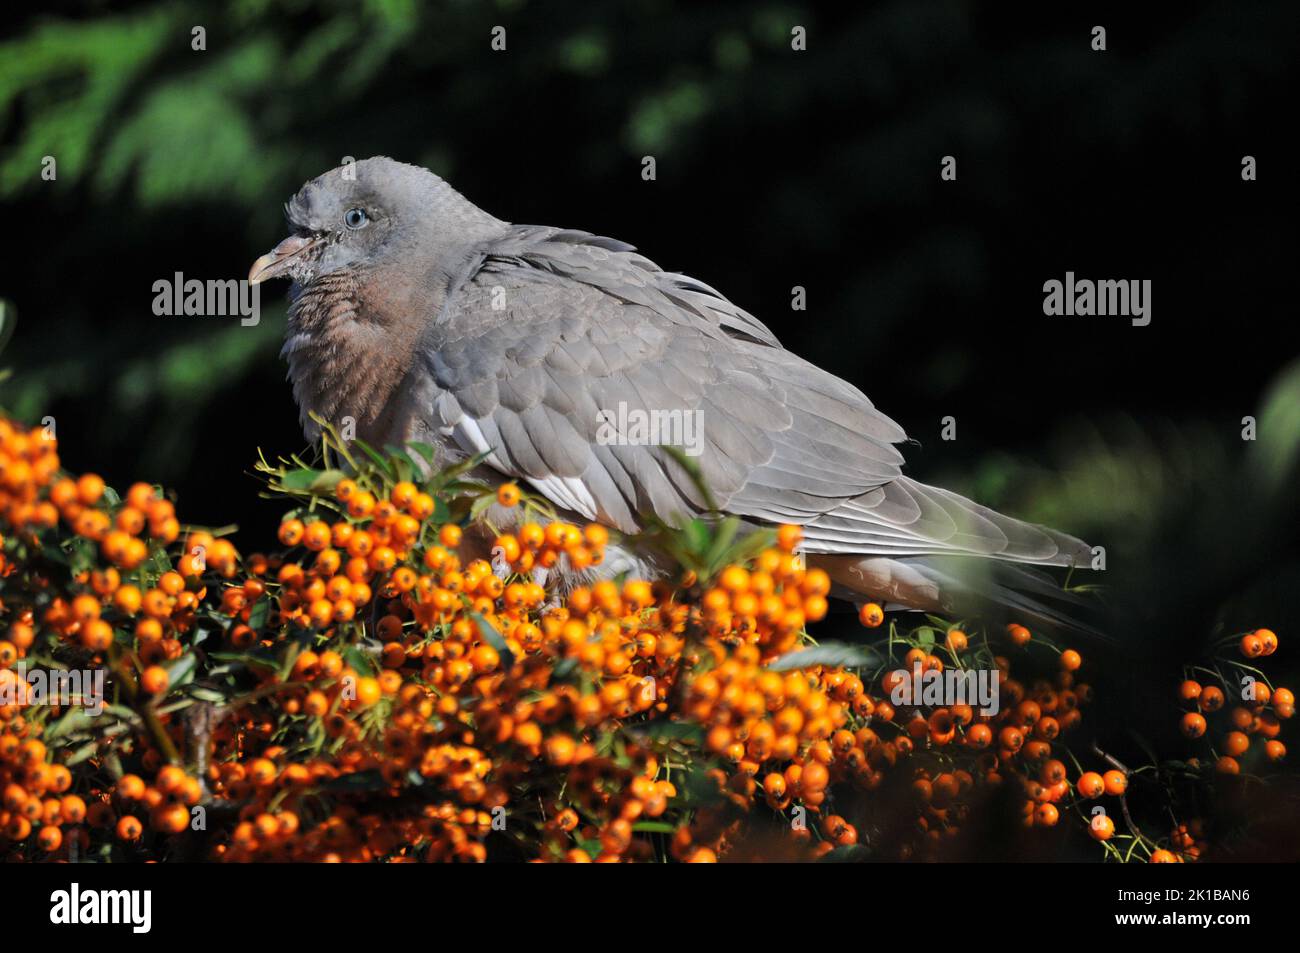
277,260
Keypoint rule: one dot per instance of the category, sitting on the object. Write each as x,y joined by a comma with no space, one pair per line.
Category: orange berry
560,750
1116,783
1268,639
361,504
1236,743
1193,725
1101,827
1091,785
317,536
154,680
871,615
368,692
508,494
129,828
331,664
321,613
1051,772
171,778
262,772
90,488
139,496
484,658
979,736
85,608
814,778
127,600
50,838
1211,698
734,579
72,809
131,787
531,536
291,532
788,537
170,818
403,494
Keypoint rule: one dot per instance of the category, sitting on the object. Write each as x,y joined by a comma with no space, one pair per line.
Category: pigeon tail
960,587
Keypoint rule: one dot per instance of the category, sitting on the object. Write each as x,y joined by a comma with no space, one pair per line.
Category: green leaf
326,481
722,539
210,695
181,671
654,827
243,658
300,479
385,466
359,660
440,512
82,753
261,611
407,469
832,654
564,670
496,640
75,720
356,783
683,731
81,556
424,450
126,714
697,789
481,506
696,533
8,322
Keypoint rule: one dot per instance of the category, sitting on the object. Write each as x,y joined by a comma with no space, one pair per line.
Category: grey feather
531,332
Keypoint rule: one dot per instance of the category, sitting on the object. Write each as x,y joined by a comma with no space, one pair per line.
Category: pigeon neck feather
351,339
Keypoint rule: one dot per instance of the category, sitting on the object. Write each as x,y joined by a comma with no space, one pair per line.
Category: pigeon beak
275,262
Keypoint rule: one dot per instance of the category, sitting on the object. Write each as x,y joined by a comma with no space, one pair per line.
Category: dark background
775,168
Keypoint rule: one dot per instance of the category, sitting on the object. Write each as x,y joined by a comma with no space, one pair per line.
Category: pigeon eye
355,218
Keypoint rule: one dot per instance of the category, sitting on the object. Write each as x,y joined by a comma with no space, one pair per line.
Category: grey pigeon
423,318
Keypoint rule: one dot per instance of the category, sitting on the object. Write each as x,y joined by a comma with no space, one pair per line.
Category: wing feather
590,327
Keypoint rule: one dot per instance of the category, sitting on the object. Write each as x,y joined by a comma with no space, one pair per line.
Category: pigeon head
373,212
